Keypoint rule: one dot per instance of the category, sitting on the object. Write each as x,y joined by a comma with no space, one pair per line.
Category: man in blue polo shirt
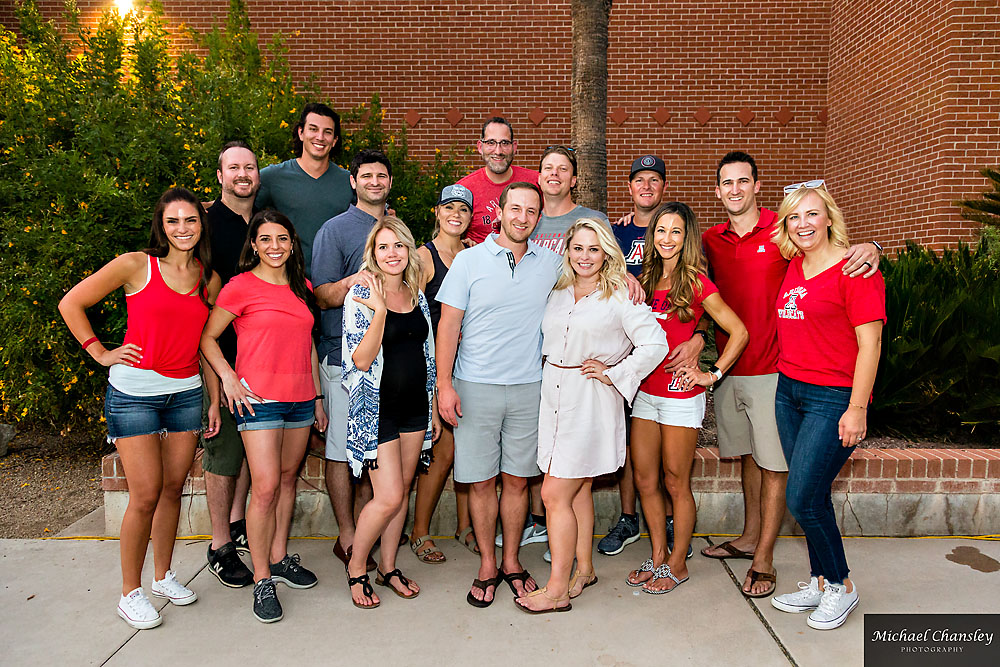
495,294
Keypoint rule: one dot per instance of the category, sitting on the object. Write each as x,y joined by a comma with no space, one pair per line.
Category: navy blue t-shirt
630,240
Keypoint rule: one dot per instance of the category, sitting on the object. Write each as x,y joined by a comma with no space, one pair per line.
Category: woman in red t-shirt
829,339
274,392
669,407
154,397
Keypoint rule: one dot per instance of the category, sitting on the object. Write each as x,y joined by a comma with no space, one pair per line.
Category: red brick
871,486
919,465
964,469
712,467
979,468
108,466
728,469
728,486
840,485
949,467
114,484
916,485
960,486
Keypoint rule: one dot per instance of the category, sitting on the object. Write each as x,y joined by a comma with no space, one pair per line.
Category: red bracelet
85,344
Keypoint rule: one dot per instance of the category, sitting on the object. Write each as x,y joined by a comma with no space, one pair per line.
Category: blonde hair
684,281
411,276
837,232
612,273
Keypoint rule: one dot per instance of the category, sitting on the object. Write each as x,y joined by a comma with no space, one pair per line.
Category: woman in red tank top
153,403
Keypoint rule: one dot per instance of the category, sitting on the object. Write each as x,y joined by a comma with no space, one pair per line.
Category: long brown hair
684,282
294,267
159,246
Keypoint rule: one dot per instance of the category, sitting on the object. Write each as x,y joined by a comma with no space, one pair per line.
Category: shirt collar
766,220
491,244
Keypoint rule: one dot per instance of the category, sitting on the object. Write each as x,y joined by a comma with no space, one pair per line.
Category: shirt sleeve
865,299
327,257
650,347
454,289
232,298
708,288
264,198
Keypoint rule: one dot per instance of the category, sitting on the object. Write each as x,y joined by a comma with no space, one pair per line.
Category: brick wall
760,75
914,106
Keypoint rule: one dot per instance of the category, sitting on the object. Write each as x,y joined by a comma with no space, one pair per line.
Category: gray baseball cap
648,163
456,193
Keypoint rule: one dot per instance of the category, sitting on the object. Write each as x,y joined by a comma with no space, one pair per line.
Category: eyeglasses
818,183
493,143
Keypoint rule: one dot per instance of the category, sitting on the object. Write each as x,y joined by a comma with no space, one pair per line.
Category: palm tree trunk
589,108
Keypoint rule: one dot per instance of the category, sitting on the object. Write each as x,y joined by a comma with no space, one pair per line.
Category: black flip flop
511,577
731,552
483,584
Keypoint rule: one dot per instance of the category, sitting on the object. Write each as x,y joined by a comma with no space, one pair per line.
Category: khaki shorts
744,413
335,403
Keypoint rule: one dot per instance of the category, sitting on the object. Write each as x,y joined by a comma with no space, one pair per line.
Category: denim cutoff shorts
279,414
129,416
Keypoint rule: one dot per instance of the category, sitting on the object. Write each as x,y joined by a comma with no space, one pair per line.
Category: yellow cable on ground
988,538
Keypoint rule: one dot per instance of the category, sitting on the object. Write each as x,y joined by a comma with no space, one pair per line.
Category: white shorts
335,404
687,412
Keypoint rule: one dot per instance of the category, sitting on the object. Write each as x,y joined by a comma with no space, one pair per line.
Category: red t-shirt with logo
486,199
816,320
660,382
748,271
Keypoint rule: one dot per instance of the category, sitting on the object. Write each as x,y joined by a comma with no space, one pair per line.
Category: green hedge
94,125
940,366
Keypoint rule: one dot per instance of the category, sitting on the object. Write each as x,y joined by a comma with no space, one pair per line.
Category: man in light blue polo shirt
495,294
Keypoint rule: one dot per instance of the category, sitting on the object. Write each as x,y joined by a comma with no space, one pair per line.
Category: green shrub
940,364
94,125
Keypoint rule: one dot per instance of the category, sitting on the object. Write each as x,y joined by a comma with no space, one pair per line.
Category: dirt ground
48,481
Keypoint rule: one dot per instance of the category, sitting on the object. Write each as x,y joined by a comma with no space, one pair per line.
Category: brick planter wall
879,492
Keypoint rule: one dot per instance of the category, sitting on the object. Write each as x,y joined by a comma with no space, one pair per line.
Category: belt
558,366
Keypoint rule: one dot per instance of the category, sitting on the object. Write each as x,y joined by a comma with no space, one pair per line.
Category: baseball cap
456,193
648,163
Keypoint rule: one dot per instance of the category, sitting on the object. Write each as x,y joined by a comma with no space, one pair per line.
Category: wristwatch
714,370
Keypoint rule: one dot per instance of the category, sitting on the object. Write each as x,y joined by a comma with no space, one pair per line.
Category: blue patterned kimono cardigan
363,386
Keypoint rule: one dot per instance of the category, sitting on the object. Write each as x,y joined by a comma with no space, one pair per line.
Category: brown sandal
755,576
463,539
591,579
731,551
426,553
543,591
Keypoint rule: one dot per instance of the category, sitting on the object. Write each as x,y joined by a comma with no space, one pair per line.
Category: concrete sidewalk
58,597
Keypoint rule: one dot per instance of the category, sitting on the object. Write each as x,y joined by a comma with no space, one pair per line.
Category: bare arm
319,411
853,424
237,396
449,328
738,339
126,271
688,353
427,267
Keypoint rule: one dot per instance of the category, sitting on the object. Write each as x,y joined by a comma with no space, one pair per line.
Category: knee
799,504
388,501
676,483
264,493
645,483
144,501
515,484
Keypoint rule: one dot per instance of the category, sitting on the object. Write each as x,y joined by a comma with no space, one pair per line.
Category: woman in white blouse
597,346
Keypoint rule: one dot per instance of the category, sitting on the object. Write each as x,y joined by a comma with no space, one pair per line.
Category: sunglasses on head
818,183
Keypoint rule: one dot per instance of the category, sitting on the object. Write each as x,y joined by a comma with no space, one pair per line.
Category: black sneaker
238,533
266,607
227,567
290,573
670,539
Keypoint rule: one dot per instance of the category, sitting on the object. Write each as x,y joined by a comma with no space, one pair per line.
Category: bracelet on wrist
855,405
87,343
702,333
319,397
878,245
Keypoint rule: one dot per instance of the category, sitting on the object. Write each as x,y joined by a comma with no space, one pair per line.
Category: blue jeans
808,417
129,416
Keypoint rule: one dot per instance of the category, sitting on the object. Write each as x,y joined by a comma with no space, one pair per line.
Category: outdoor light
123,7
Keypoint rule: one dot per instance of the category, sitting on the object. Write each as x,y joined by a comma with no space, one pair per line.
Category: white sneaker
805,599
136,610
547,556
533,532
173,590
834,607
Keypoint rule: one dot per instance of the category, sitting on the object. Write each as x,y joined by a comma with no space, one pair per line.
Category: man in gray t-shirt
337,255
557,178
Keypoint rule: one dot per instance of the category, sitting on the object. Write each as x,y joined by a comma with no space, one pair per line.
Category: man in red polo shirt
748,270
497,147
